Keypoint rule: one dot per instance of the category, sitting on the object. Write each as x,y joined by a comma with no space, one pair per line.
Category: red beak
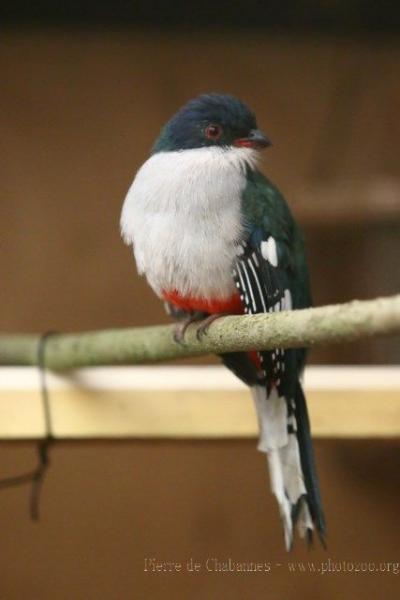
256,139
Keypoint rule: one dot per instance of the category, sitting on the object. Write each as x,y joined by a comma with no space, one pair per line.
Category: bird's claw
204,326
180,330
201,331
178,337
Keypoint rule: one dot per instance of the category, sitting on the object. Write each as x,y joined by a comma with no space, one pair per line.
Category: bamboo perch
290,329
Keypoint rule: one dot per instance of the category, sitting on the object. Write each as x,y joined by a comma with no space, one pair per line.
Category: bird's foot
204,326
180,329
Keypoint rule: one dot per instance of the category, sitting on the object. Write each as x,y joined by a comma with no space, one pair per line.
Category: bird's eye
213,132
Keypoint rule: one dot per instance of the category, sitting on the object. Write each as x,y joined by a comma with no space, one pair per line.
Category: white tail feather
278,489
282,449
272,418
304,521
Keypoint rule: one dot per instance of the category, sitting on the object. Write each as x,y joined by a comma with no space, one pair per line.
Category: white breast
182,216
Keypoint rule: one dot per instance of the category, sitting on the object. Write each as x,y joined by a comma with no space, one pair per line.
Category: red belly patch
231,305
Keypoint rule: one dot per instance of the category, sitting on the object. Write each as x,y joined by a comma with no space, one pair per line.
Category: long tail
285,438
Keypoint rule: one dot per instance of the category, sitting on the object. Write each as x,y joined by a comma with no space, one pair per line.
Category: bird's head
211,120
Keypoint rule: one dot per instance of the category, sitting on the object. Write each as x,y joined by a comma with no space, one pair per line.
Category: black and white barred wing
282,414
263,287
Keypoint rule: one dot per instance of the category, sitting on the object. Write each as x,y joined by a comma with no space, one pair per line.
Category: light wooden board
190,402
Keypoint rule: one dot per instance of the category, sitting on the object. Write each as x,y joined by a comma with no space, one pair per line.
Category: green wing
267,214
271,272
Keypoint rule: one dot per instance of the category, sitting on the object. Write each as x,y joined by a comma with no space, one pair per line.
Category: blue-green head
211,120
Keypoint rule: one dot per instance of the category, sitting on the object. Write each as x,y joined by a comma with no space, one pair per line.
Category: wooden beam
190,402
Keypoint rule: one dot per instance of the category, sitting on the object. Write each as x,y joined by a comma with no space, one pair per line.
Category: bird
214,236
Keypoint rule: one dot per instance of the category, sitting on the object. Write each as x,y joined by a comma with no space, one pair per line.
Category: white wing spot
269,252
287,303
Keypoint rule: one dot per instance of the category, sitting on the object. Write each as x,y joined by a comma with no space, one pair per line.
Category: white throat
182,215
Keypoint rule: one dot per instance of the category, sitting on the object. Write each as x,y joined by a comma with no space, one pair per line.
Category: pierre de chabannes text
229,565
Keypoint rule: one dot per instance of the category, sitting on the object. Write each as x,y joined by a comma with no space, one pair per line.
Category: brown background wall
106,507
78,113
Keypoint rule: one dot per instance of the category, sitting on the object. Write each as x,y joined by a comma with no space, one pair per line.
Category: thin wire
36,476
43,446
48,425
